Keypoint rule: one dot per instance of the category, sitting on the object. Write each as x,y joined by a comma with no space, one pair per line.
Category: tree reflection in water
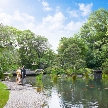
69,93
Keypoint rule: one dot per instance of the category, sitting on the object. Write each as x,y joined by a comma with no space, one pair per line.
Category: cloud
19,20
73,26
22,16
85,9
57,9
74,13
4,2
55,22
53,27
46,6
5,18
1,10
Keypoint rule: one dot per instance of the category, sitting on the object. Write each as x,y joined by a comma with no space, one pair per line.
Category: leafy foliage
86,49
94,33
23,48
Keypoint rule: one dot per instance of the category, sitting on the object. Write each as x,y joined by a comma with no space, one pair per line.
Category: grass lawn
4,95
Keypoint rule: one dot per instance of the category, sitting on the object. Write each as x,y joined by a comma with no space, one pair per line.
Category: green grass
4,95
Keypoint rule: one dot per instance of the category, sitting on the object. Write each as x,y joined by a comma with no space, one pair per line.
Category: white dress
18,75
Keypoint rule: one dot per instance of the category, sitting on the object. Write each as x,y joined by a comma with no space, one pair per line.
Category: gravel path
24,96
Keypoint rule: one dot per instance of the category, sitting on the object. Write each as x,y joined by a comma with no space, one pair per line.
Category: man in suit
23,73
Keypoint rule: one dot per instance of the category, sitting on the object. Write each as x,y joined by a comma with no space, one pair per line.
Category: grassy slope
4,95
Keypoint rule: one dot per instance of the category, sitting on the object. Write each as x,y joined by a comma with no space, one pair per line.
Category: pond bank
24,96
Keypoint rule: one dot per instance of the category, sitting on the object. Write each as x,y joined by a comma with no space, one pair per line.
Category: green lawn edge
4,95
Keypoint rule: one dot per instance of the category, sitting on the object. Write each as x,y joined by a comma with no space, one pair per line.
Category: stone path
24,96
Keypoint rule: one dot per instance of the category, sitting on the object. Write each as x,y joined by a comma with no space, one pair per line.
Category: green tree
32,49
94,33
71,53
8,53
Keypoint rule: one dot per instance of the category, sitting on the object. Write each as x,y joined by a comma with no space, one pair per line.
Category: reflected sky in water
54,100
67,93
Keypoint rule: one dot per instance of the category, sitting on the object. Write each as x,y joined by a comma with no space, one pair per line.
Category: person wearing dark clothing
23,73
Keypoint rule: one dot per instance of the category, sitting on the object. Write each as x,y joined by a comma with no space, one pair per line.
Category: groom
23,73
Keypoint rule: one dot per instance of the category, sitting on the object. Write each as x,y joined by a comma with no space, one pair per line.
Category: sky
52,19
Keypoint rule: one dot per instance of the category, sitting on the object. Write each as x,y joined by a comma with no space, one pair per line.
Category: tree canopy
86,49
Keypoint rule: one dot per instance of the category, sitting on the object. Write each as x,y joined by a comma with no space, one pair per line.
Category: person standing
18,78
23,73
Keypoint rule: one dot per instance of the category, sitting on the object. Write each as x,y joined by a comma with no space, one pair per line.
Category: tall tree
71,52
32,48
8,55
94,34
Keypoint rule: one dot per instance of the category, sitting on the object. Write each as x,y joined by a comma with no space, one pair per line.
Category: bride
18,78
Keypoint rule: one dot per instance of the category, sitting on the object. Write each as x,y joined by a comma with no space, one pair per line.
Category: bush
1,75
105,67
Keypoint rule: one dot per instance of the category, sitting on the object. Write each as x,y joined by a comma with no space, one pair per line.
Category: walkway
24,96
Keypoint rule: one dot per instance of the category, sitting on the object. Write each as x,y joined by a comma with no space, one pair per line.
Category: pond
68,93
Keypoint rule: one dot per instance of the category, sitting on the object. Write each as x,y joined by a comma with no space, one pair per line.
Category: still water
68,93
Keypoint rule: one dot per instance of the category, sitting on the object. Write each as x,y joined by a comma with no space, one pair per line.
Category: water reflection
54,100
69,93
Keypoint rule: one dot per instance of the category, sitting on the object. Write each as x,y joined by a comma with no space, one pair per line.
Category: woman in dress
18,78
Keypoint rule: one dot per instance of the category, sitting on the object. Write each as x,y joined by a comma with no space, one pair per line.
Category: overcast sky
52,19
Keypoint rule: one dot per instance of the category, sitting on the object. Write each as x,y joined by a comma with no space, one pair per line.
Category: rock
24,96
